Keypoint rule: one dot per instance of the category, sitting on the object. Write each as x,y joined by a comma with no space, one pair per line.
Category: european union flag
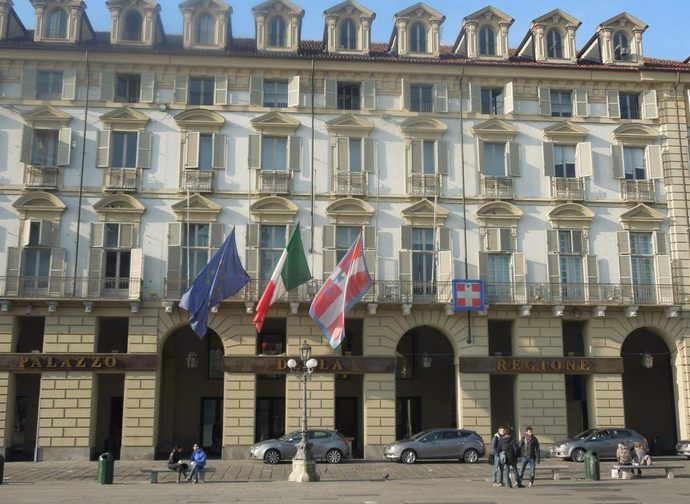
221,278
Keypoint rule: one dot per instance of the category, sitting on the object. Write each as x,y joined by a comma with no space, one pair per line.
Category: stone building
556,172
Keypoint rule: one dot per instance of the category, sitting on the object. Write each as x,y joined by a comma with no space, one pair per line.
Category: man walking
531,453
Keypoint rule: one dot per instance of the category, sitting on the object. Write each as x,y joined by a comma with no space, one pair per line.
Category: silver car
683,448
461,444
604,442
327,445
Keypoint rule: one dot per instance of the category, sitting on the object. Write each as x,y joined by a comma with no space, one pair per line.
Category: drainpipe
682,158
464,194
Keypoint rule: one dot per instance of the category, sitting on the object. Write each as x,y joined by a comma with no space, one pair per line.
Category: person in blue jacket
198,460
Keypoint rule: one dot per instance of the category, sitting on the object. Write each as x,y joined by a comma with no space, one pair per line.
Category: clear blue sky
668,35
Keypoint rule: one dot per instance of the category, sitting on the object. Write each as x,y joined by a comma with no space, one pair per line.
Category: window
561,104
274,153
124,150
201,91
206,152
355,145
276,32
275,93
492,101
451,435
345,236
498,271
195,249
495,159
422,256
49,86
37,264
348,35
554,44
132,29
117,260
570,256
642,259
633,162
429,157
421,98
630,105
272,243
487,41
57,25
418,38
205,30
621,49
348,96
127,88
564,159
44,148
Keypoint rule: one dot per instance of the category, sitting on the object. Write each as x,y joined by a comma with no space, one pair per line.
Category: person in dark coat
174,463
510,453
531,453
496,469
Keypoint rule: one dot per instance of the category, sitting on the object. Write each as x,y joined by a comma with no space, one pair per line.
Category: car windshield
297,435
585,434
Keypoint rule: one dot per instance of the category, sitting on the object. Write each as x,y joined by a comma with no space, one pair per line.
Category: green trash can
592,470
106,468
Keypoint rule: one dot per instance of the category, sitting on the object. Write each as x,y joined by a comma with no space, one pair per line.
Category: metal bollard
106,468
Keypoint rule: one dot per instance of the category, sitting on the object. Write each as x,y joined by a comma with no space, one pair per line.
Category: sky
668,35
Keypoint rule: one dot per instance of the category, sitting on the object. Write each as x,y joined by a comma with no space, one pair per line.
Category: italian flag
291,271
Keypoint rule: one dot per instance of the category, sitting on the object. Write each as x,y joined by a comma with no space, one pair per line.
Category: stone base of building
49,454
235,452
137,453
303,471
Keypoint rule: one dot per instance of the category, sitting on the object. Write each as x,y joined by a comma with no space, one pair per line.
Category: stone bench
153,472
620,471
555,470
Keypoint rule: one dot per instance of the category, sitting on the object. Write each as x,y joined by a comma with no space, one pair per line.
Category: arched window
621,48
276,32
348,35
132,29
418,38
205,30
487,41
57,24
554,44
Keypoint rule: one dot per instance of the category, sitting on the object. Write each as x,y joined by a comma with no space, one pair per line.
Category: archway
648,392
191,396
425,382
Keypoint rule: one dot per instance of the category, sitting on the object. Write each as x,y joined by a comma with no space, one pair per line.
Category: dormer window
418,38
554,44
487,41
348,35
277,32
205,30
57,25
132,28
621,47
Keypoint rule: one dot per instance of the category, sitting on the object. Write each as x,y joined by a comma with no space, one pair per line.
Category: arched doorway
191,396
425,382
648,392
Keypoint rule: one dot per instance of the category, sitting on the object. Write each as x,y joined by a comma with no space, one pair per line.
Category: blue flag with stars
221,278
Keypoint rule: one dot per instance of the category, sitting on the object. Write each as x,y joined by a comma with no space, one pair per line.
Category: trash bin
592,470
106,468
2,468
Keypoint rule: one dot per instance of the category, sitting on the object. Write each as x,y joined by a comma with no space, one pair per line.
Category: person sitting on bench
174,463
198,460
640,458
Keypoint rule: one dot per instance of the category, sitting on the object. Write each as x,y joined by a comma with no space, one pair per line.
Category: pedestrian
531,455
198,460
496,454
510,453
640,457
623,455
174,463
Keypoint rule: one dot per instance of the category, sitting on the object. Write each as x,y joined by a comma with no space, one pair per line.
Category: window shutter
623,243
613,104
369,237
416,153
519,277
181,88
329,237
343,157
69,84
192,147
144,141
175,234
256,90
219,151
221,90
103,153
664,279
136,273
649,105
49,234
174,282
581,105
329,257
480,155
29,83
444,275
660,243
371,260
126,235
148,87
24,238
549,163
552,241
255,151
553,266
508,100
215,235
492,240
406,238
293,92
405,95
578,242
367,92
95,272
513,155
445,237
442,157
441,97
483,266
617,160
56,283
370,155
592,277
97,235
475,98
655,165
405,267
544,100
14,264
107,85
583,158
295,153
330,93
26,154
253,235
64,146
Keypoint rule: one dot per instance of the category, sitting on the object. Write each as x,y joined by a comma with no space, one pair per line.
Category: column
6,425
139,422
379,413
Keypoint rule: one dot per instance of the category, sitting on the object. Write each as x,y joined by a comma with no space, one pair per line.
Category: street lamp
303,464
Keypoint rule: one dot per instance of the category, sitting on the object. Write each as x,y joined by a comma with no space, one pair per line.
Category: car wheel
272,456
334,456
408,457
470,456
578,455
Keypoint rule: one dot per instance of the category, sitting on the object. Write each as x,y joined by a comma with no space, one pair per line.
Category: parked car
465,445
327,445
604,442
683,448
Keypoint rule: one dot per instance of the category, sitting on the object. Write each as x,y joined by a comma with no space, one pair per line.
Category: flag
221,278
292,270
348,283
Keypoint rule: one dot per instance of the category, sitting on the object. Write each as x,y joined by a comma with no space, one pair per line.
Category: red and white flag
348,283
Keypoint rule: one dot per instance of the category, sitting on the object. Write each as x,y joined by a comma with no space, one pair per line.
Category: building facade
555,174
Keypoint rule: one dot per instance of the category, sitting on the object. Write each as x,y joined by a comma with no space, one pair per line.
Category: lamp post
303,464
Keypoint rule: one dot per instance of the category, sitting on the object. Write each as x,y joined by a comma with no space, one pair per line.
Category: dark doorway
270,413
113,333
269,420
30,331
110,389
211,430
648,392
501,387
349,417
575,385
27,389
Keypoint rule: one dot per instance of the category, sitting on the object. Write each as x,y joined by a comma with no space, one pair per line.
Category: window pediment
557,18
571,215
39,205
420,11
124,118
565,132
273,210
196,208
641,217
489,14
46,116
350,212
624,20
200,120
495,130
423,127
639,134
276,123
349,125
424,213
119,208
499,213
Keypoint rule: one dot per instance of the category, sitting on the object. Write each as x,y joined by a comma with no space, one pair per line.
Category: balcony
198,181
497,187
423,185
273,182
40,177
568,189
121,179
47,287
350,184
639,191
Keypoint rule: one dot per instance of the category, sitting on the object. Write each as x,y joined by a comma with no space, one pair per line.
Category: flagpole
313,113
187,252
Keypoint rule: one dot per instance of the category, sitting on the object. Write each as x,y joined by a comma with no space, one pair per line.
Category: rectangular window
422,254
642,259
274,153
348,96
633,160
345,236
495,159
421,98
630,105
117,259
195,248
429,159
49,85
37,262
201,91
561,104
355,155
492,101
44,148
564,159
205,152
127,88
272,242
276,93
124,150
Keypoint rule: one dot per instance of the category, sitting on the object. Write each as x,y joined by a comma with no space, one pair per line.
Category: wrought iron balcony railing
41,177
351,184
53,287
198,180
638,191
497,187
273,182
569,189
423,184
121,179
